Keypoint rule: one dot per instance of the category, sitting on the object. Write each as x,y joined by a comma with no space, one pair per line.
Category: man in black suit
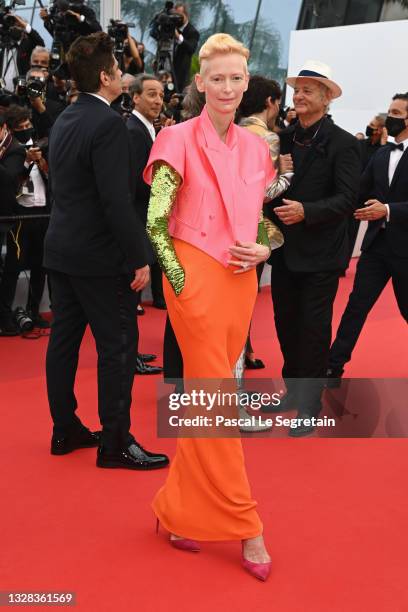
12,157
30,39
44,111
384,189
97,252
186,41
147,94
313,218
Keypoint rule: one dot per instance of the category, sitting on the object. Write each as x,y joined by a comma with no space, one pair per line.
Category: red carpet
335,511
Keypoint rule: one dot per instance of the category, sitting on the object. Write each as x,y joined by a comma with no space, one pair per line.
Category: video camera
10,34
118,31
164,24
64,25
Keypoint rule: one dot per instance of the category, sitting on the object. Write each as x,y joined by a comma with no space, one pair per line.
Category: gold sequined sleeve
262,237
165,183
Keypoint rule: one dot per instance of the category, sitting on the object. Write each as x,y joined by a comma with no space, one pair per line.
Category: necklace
308,142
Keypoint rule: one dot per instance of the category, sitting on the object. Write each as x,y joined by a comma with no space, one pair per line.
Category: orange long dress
207,494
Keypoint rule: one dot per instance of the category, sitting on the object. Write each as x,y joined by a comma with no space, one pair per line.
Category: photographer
132,61
67,20
25,242
12,156
40,58
186,41
44,110
30,39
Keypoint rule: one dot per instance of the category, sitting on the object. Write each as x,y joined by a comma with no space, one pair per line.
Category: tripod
164,58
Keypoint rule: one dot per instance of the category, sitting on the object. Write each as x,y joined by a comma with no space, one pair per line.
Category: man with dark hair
26,252
186,41
98,253
384,191
44,110
12,156
376,137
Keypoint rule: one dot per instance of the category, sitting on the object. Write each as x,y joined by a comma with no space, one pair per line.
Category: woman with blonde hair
208,180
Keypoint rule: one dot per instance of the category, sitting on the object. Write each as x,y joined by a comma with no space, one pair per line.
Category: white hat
319,72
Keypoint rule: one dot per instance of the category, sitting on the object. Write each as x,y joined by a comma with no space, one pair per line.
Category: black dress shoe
140,311
144,368
83,438
254,364
135,457
334,378
287,403
146,357
303,428
160,304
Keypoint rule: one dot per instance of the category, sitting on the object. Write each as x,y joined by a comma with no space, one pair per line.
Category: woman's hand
247,255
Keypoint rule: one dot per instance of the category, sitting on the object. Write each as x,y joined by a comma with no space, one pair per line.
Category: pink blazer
223,184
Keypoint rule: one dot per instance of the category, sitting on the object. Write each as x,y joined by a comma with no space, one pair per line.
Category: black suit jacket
140,146
25,48
183,54
375,184
11,172
326,183
94,229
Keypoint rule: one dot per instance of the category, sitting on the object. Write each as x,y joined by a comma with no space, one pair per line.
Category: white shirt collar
145,122
182,27
98,96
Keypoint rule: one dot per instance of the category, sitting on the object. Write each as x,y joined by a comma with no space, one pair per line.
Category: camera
35,87
164,24
23,321
64,27
118,31
10,34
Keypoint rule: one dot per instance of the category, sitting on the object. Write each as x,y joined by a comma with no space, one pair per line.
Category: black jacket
140,147
374,184
326,183
182,55
11,172
43,122
25,48
94,229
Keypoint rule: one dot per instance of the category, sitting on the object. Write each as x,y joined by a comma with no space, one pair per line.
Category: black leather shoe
334,378
133,458
146,357
144,368
254,364
160,304
140,311
83,438
287,403
303,428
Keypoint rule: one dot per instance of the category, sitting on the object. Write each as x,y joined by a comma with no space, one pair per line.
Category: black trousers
303,308
172,357
375,268
108,305
29,257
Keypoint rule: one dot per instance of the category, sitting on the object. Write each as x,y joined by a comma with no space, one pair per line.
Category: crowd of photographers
42,90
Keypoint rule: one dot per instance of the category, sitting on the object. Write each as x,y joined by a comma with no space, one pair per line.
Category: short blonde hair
221,44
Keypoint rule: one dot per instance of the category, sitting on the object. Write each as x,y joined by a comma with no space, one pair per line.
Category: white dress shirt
33,190
395,157
98,96
146,123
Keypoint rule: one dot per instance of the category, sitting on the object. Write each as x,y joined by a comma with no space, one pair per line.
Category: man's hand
142,276
285,163
77,15
384,136
373,210
292,212
177,33
247,255
33,155
20,22
38,105
44,14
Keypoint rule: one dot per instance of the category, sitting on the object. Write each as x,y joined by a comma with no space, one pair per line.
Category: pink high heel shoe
182,543
258,570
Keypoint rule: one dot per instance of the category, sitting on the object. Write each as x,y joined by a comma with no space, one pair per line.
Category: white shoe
260,423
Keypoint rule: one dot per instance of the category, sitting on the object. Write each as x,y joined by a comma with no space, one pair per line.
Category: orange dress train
207,494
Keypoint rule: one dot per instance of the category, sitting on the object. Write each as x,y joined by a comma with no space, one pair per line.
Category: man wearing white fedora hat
313,217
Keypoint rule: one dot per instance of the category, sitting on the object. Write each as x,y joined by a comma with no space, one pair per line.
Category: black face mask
369,131
24,136
394,125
